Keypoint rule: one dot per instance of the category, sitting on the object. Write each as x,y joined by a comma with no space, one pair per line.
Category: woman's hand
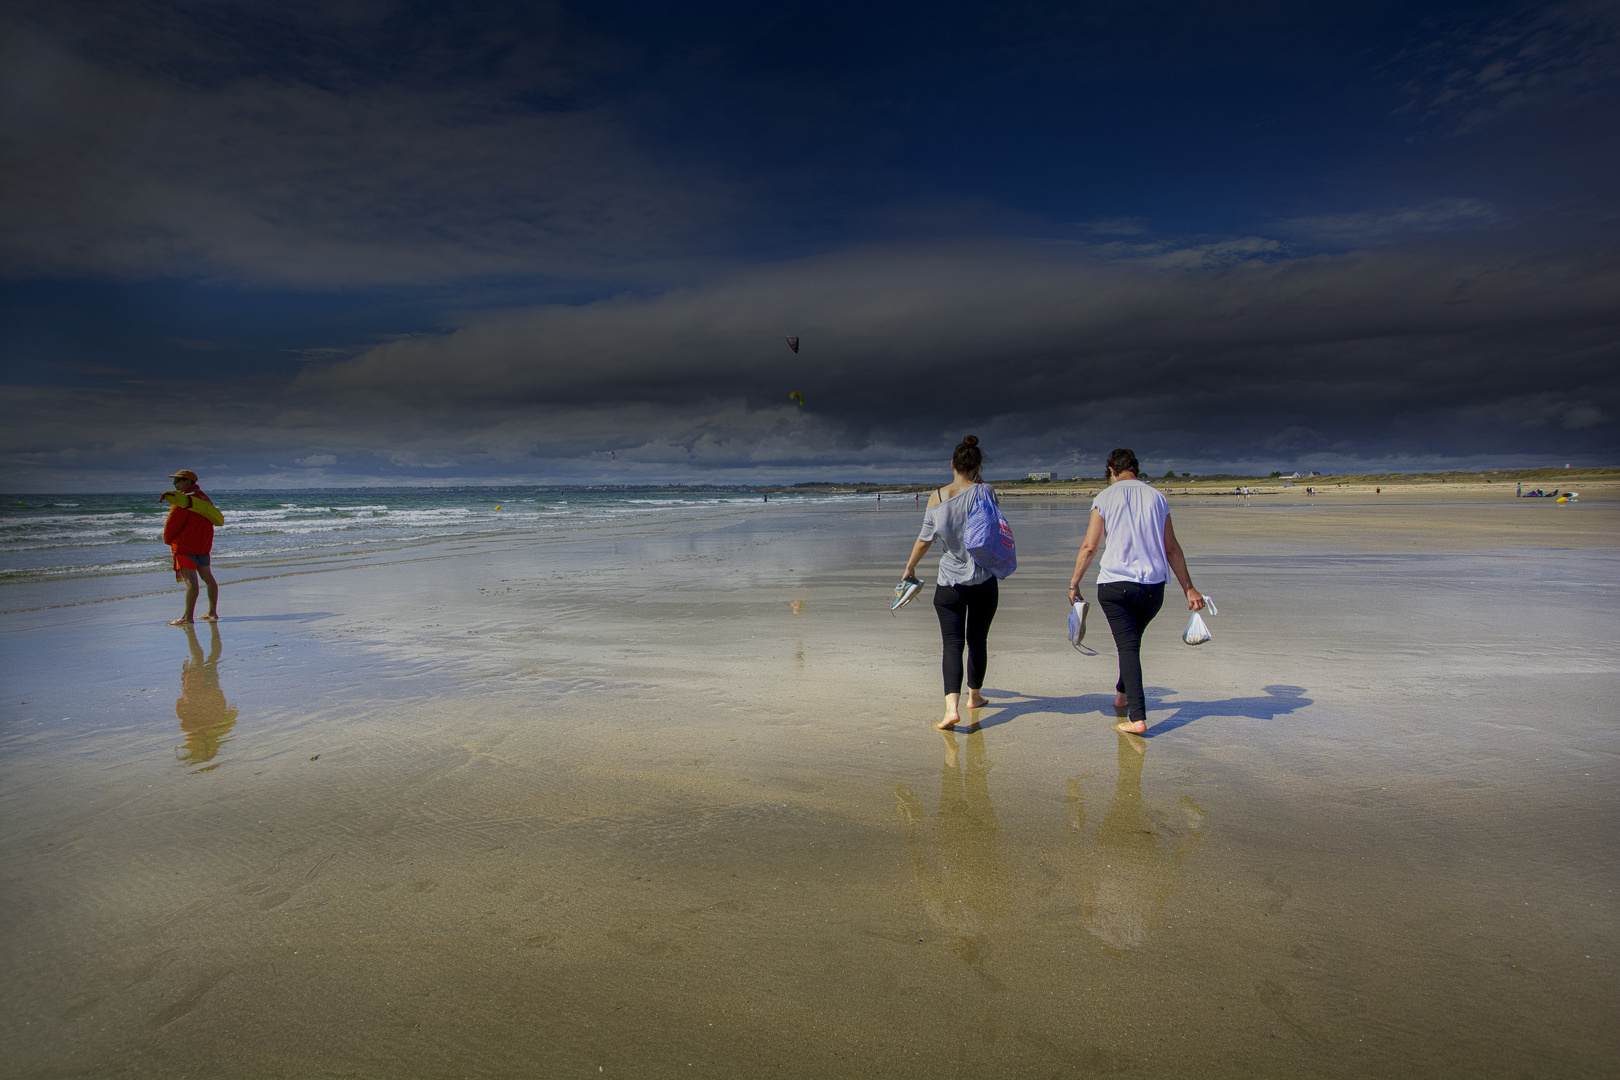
1195,599
1074,592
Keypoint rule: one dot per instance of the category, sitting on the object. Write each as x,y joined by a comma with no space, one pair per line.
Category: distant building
1039,476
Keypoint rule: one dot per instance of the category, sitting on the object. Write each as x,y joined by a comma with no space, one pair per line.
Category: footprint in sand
188,1001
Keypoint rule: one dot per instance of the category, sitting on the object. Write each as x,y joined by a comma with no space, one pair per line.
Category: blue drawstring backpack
988,538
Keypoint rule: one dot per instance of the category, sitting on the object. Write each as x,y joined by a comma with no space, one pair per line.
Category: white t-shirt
1133,515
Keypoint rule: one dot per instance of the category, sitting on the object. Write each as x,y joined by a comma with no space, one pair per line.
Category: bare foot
950,721
210,617
178,622
1129,728
1120,702
980,703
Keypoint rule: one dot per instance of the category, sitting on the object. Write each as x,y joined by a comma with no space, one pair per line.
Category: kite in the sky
796,396
613,454
793,343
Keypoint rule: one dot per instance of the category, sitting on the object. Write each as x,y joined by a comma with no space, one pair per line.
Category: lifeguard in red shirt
189,532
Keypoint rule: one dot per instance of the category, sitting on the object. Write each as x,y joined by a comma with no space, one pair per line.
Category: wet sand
664,800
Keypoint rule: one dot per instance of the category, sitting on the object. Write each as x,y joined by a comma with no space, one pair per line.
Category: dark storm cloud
1237,237
1185,350
1414,355
333,173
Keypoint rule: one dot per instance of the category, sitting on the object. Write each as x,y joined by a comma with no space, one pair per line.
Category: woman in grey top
965,600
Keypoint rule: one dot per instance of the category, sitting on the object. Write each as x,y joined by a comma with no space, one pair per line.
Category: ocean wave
89,535
127,566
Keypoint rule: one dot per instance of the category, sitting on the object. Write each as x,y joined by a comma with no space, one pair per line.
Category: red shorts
190,562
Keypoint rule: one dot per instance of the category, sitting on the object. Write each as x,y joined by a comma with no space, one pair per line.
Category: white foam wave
264,529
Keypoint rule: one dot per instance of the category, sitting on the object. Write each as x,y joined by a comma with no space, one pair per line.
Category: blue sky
309,244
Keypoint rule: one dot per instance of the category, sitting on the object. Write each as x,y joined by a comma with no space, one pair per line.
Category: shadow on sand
1279,701
1007,705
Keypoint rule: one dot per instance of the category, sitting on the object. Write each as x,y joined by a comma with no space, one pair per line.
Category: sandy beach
662,798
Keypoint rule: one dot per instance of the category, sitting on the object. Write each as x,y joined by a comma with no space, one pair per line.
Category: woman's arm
1088,551
1178,565
918,550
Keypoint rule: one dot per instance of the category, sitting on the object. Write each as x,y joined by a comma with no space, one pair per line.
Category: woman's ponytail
968,458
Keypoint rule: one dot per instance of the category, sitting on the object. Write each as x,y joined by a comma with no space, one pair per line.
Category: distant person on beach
966,596
189,533
1134,519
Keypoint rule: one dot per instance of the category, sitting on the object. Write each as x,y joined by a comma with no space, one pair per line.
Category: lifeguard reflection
963,886
1129,866
206,719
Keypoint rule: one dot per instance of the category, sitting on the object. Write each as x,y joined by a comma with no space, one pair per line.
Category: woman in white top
966,597
1142,547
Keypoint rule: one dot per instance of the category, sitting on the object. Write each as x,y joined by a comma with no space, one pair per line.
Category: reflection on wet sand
963,886
1130,866
205,718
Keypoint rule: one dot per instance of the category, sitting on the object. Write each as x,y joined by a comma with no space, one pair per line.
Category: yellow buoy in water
497,508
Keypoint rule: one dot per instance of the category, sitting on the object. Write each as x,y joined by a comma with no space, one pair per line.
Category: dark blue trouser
1130,606
964,614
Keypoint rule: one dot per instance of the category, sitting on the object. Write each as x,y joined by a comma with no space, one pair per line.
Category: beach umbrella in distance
796,396
793,343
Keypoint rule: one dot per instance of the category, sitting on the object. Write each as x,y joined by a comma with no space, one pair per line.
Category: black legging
1130,607
965,612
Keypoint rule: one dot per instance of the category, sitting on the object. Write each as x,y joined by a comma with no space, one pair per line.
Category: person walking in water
189,532
1142,551
965,599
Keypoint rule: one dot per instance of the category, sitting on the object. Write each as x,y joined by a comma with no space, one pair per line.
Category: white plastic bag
1077,628
1197,632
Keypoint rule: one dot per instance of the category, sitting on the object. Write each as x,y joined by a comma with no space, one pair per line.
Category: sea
44,537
